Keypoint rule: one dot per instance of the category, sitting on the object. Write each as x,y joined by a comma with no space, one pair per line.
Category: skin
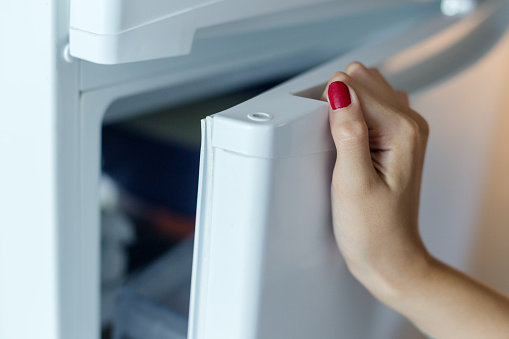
381,143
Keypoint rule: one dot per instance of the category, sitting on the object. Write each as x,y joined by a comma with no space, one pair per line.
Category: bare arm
446,303
381,143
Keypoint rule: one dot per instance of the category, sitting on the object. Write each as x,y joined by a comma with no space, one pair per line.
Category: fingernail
339,95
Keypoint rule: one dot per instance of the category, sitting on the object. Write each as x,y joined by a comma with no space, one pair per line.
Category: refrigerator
264,262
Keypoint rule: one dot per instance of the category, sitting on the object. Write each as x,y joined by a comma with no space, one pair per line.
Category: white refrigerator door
265,261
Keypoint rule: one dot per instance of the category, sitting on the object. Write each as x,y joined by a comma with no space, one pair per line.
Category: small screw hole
259,116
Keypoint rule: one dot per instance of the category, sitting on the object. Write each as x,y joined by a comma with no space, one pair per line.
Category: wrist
391,277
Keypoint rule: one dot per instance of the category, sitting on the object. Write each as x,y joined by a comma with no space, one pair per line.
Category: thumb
350,133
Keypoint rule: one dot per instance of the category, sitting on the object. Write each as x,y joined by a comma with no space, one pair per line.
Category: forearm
443,302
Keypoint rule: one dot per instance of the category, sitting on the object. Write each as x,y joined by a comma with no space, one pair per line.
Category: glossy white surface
119,31
31,239
40,235
239,50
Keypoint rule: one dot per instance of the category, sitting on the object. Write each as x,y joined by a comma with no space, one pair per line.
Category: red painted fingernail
339,95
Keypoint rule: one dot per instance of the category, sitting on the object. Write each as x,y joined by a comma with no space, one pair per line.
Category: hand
376,181
380,144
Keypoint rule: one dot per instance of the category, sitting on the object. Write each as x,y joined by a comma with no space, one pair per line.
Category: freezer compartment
148,194
154,183
155,303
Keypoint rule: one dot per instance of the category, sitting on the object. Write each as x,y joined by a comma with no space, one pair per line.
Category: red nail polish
339,95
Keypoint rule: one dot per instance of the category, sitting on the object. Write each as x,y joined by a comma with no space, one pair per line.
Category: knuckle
403,95
341,76
409,127
375,71
356,69
422,124
352,132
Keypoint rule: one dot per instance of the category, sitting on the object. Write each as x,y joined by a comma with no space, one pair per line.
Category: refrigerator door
265,261
120,31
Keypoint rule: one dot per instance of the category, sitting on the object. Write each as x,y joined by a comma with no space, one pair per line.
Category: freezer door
119,31
265,261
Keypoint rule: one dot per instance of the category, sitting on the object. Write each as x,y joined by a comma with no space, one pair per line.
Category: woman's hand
381,144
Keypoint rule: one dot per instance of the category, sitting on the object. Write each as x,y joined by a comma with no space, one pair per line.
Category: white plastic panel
280,51
266,265
119,31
